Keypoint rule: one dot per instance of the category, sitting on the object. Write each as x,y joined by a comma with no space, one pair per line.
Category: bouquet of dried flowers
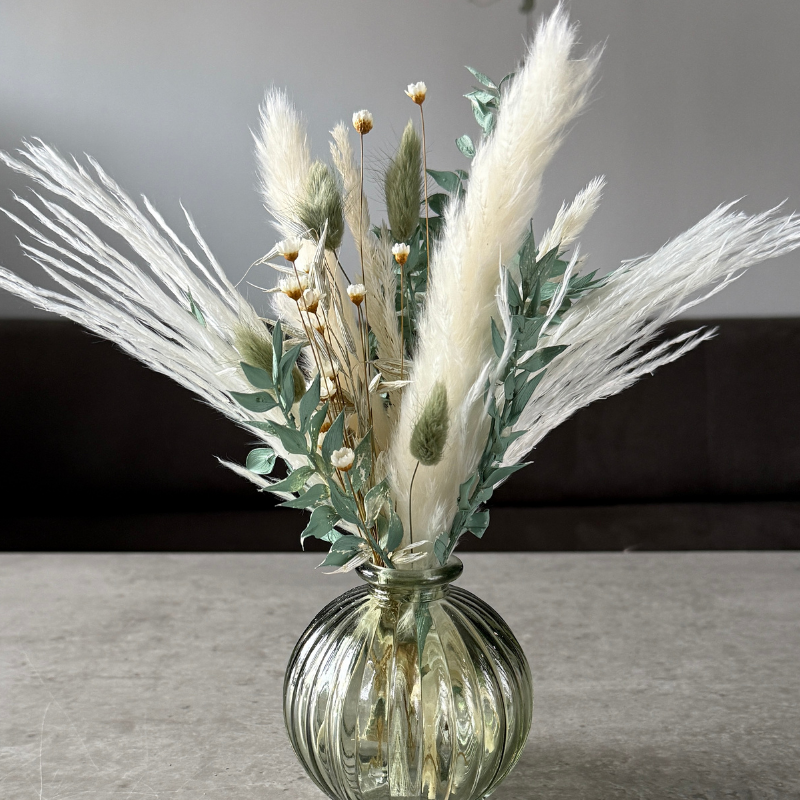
400,390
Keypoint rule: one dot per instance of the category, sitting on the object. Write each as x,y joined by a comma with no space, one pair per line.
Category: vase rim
388,578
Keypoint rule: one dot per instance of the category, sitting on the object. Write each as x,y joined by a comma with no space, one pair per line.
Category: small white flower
357,292
400,252
328,370
327,388
310,300
289,248
343,459
362,121
417,92
291,288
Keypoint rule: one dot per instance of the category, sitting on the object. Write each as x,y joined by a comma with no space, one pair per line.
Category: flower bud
343,459
357,292
327,388
362,121
289,248
291,288
417,92
310,301
400,252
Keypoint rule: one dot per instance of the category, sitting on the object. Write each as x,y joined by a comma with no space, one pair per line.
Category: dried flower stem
410,510
402,320
425,190
366,299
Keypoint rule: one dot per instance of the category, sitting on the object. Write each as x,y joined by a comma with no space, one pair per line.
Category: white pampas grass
143,304
378,274
283,157
454,338
607,331
378,263
573,218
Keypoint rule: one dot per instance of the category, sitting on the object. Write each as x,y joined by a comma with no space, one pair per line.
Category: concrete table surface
660,675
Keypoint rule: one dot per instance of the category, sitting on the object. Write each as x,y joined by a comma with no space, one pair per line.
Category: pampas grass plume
283,157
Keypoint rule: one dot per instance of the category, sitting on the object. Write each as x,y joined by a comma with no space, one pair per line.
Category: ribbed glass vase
408,687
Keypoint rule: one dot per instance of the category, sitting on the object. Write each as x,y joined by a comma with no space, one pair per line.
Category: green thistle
403,185
322,203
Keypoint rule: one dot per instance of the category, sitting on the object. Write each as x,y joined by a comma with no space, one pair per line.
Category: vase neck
410,585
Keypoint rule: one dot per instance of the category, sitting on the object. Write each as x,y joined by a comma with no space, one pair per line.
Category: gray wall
698,104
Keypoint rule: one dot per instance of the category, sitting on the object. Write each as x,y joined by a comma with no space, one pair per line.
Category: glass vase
408,687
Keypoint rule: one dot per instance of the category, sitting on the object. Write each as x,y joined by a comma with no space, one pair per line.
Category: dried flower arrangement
401,398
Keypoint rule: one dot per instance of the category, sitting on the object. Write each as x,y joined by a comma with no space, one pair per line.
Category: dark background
103,454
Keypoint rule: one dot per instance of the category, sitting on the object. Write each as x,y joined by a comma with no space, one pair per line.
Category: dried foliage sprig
402,391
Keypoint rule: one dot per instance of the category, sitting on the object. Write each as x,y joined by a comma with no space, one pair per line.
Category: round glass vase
408,687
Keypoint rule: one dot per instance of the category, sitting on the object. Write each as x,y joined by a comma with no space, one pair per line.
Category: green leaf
530,334
449,181
257,402
438,202
333,438
504,441
466,146
483,496
509,386
483,115
316,425
195,311
261,460
500,474
362,463
485,97
497,340
294,481
465,491
478,523
288,361
481,78
308,403
287,396
395,535
375,499
321,525
440,548
343,549
514,299
257,377
344,504
521,400
277,352
315,496
541,358
292,440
